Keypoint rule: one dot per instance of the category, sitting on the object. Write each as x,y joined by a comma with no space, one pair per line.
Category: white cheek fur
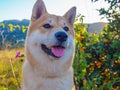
36,37
39,38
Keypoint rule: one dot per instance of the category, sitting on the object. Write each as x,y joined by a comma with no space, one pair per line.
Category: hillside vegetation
13,33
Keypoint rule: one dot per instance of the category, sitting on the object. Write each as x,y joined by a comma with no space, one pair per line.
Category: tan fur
40,71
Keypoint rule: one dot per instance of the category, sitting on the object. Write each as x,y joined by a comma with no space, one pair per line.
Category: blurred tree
17,27
113,12
24,28
97,58
2,25
11,28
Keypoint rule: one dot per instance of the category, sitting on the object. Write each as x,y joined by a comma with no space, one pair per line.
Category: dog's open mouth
55,51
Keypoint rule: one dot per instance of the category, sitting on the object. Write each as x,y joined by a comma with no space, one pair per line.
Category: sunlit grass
10,69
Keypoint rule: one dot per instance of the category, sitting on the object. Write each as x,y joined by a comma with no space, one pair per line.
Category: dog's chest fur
33,81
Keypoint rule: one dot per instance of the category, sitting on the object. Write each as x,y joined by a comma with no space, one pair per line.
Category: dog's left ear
70,15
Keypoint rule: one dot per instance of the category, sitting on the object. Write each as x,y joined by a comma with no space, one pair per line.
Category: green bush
97,58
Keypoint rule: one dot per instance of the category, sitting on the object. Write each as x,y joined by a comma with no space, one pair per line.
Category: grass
10,69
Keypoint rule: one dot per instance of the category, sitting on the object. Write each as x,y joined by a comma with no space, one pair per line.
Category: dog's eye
47,25
66,28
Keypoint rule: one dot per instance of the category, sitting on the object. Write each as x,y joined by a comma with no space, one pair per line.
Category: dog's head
51,35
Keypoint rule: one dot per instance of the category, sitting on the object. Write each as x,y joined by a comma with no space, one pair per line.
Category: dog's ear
70,15
39,9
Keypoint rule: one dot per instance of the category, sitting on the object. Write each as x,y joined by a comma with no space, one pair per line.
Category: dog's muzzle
55,51
58,49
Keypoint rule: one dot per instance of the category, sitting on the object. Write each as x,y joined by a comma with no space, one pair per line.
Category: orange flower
82,49
106,80
105,40
107,71
98,64
117,61
80,38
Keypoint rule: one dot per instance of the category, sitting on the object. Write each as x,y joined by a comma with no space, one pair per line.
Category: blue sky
22,9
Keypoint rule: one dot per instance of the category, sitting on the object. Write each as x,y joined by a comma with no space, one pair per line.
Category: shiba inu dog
49,50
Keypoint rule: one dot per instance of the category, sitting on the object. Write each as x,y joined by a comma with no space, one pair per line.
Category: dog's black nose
61,36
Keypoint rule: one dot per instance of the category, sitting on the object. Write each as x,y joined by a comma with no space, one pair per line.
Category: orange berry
106,80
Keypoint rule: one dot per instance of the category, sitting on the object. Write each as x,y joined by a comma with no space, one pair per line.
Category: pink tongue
58,51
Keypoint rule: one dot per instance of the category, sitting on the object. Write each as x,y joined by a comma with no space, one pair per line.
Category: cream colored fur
42,71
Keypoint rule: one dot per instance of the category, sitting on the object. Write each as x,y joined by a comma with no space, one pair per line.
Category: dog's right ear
39,9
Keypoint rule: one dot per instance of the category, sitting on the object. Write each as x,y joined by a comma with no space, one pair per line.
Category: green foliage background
97,58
